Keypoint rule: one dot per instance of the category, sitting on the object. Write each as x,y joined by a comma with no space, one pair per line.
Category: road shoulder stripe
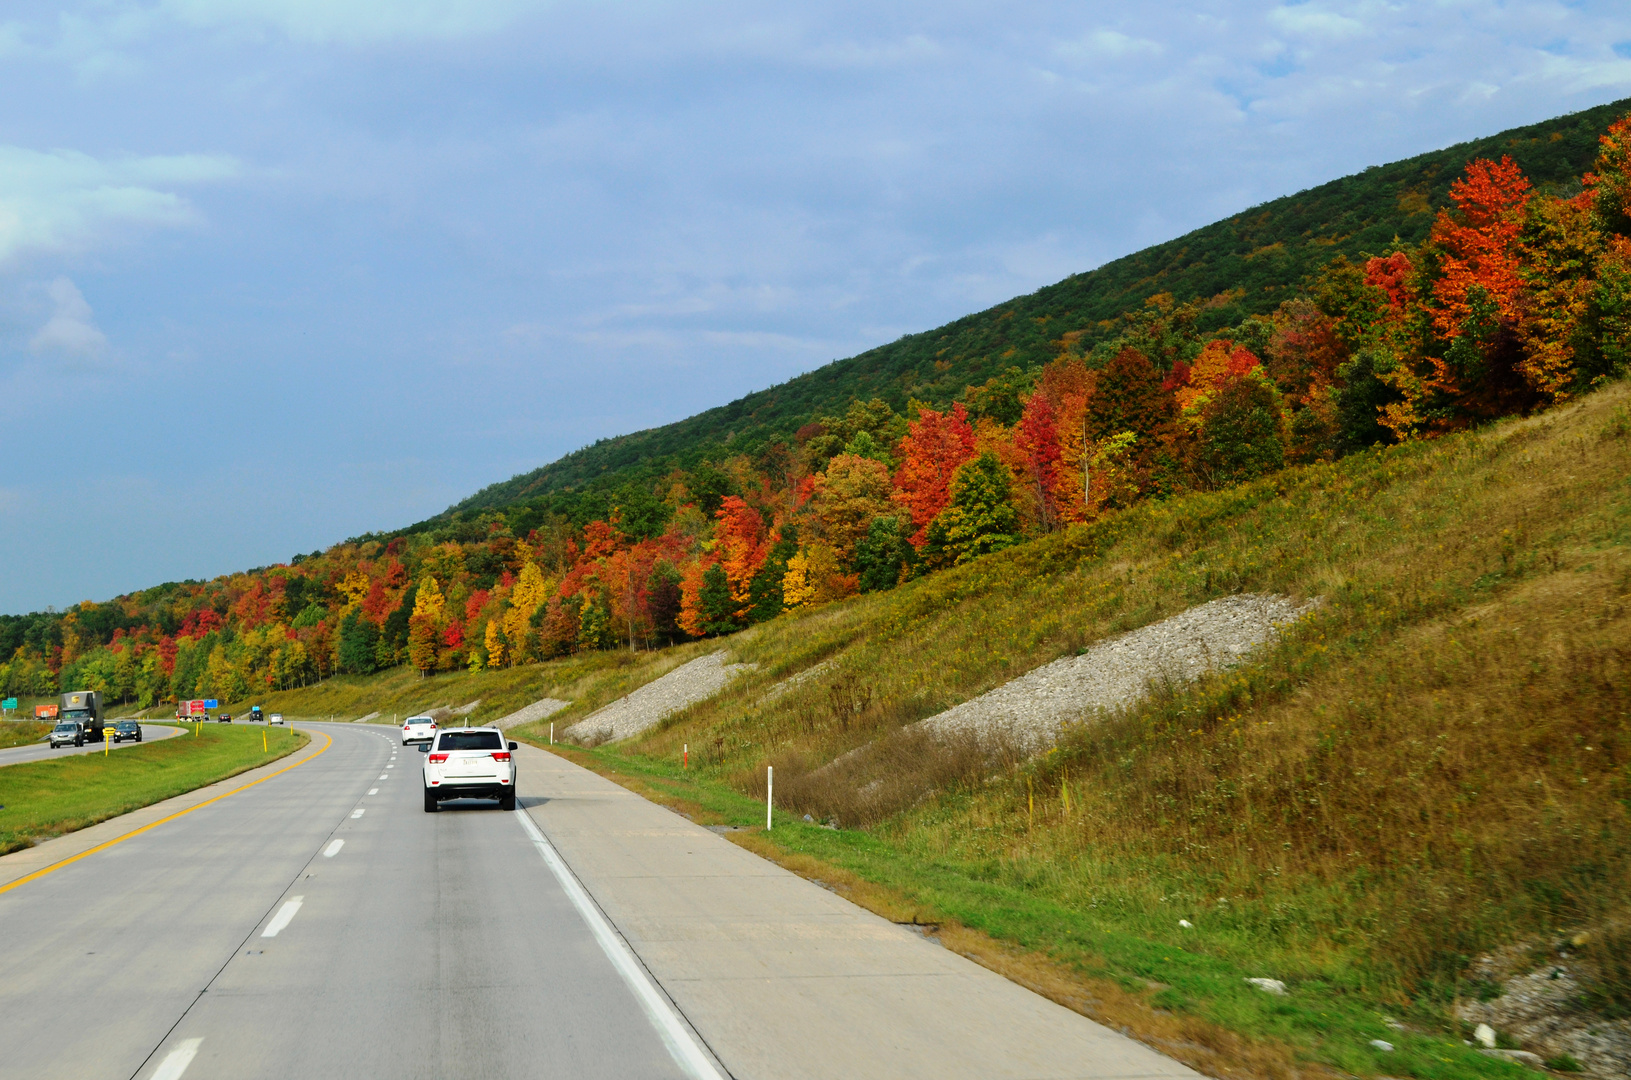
675,1032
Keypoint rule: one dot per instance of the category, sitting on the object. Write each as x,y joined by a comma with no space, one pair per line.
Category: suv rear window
470,740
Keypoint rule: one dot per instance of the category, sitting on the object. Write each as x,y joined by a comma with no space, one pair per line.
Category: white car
420,729
275,718
469,763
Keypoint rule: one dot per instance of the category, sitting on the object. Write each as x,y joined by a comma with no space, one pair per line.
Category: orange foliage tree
935,446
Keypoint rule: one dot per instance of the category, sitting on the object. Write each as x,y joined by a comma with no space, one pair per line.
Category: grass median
42,799
22,733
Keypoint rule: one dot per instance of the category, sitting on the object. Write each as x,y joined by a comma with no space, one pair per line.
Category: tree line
1516,300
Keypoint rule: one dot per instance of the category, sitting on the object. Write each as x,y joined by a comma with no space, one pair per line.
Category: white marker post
552,733
770,790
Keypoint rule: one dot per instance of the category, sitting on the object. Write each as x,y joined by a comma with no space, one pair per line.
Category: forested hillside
1513,298
1244,265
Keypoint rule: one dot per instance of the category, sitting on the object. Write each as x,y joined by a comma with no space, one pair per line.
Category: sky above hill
277,272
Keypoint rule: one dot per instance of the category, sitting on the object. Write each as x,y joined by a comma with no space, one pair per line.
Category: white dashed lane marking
176,1061
373,791
357,813
333,848
284,916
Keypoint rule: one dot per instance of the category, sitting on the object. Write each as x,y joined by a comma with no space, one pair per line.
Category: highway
41,751
309,919
318,924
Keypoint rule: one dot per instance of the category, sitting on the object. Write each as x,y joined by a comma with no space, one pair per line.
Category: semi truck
83,707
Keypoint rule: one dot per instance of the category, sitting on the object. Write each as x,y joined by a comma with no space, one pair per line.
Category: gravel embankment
686,685
541,709
1119,672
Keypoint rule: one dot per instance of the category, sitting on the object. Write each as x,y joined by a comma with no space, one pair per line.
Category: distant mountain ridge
1256,257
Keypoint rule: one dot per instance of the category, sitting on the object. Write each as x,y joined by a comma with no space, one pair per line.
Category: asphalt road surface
40,751
320,924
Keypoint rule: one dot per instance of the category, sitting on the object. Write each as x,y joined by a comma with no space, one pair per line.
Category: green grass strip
42,799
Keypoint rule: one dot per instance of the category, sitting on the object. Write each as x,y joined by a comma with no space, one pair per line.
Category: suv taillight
501,755
437,759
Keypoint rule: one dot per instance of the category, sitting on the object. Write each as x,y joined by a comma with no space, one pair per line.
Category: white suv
469,763
418,729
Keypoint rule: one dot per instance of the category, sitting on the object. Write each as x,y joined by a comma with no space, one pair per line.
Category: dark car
127,729
223,718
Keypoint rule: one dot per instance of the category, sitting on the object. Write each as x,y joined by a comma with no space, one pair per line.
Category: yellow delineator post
107,740
263,742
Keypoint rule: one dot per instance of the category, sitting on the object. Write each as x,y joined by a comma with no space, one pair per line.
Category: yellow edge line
44,870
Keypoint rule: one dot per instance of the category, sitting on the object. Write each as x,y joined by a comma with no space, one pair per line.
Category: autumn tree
495,644
935,446
1469,365
1037,438
1607,329
424,625
531,591
742,548
852,492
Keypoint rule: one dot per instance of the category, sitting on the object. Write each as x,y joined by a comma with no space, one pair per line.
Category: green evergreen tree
395,630
883,556
595,625
1240,436
765,597
718,609
981,518
358,637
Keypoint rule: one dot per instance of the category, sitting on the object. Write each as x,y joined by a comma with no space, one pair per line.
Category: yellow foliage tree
354,586
495,645
429,604
531,590
796,588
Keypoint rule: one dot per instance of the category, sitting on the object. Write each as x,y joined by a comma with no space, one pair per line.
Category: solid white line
284,916
357,813
373,791
333,848
676,1035
176,1061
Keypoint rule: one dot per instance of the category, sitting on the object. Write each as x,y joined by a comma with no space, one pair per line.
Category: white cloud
63,200
71,333
1309,21
1112,43
359,21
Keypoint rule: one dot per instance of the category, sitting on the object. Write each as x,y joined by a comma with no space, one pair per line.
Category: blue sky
278,272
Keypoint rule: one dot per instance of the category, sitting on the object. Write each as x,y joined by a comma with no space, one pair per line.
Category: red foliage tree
1391,274
1037,437
1480,244
934,446
742,545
